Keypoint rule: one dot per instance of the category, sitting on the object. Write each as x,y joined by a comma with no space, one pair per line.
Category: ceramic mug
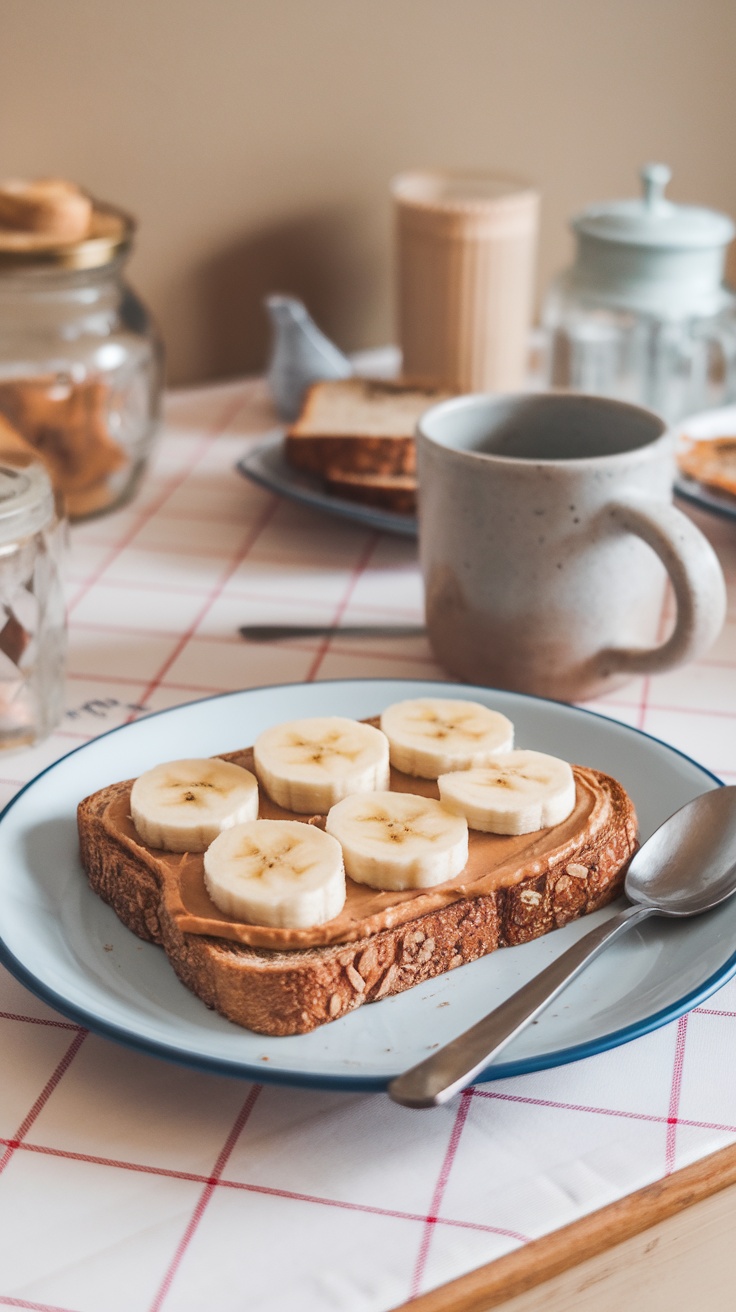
546,536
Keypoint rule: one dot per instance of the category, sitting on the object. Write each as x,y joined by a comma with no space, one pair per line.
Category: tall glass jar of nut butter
81,363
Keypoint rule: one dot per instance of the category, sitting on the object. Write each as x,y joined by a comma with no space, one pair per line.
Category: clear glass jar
676,367
81,366
642,314
32,613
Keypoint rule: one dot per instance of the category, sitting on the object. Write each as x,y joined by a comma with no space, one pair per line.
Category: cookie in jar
81,363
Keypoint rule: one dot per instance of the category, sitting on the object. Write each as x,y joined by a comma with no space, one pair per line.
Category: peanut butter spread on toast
494,862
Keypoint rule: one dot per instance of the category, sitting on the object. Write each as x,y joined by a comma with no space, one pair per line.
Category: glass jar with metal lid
80,361
643,313
32,614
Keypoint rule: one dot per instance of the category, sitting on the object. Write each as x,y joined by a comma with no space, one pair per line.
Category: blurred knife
278,632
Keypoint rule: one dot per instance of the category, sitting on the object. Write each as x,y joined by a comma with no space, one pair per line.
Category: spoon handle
449,1070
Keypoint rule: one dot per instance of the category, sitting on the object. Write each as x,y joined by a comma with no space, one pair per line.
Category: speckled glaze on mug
546,535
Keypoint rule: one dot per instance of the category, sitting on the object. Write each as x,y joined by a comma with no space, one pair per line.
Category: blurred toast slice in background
711,461
359,426
395,492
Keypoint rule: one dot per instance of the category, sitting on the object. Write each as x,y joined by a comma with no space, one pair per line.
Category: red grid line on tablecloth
348,645
646,1117
158,548
13,1144
226,417
130,630
6,1301
406,614
206,1195
193,516
41,1020
237,560
244,1186
643,705
647,704
208,552
240,594
432,1218
675,1095
117,678
138,585
360,569
303,643
439,1190
676,1085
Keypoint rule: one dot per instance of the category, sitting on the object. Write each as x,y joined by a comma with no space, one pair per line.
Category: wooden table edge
494,1283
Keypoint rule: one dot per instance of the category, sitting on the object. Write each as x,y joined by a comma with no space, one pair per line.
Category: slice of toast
711,461
538,883
396,492
359,425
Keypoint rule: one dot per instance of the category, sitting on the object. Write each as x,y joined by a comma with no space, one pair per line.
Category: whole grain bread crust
293,992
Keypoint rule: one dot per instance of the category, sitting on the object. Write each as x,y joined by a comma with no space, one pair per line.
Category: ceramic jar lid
652,256
654,220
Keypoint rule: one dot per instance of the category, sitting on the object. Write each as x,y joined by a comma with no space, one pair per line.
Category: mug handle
697,581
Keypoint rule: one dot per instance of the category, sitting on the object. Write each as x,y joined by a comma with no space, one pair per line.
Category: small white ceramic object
301,354
546,533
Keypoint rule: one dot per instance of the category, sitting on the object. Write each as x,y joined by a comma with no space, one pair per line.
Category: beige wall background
255,139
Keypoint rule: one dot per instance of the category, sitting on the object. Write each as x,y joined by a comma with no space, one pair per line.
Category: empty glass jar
80,362
32,615
643,314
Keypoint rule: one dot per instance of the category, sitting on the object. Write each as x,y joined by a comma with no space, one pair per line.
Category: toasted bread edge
280,993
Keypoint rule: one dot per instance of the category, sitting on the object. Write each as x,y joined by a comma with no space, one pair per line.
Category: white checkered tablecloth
132,1185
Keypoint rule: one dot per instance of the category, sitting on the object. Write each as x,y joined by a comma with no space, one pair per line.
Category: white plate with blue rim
68,947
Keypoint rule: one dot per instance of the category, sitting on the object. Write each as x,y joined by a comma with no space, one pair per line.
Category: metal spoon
687,866
278,632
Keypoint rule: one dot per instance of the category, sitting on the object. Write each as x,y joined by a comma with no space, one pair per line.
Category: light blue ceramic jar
643,313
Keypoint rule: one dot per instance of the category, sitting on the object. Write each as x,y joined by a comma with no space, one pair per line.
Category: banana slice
181,806
516,794
396,840
308,765
431,735
276,872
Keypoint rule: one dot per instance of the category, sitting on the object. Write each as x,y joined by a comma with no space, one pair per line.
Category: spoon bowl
689,863
687,867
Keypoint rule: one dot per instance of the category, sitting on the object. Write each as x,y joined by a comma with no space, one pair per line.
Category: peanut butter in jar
81,363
